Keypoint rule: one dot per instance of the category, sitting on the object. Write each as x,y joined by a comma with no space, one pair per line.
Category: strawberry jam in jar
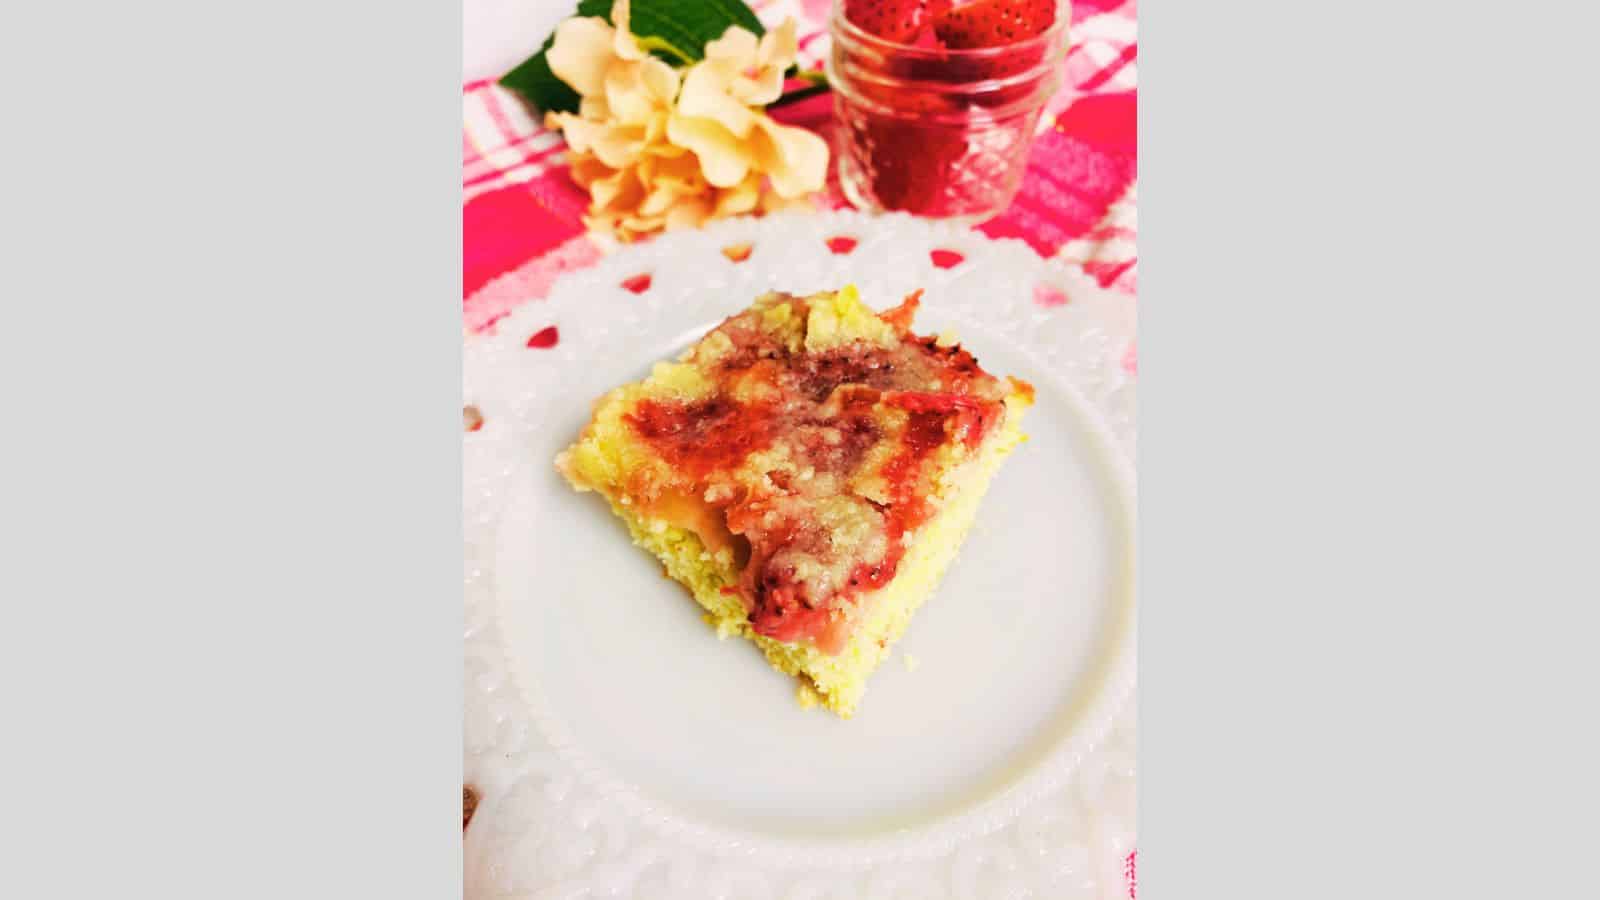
938,100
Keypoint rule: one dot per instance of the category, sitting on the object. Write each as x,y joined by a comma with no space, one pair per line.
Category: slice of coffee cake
807,470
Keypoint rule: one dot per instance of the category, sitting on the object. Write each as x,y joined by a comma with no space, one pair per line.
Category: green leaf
540,86
685,24
675,30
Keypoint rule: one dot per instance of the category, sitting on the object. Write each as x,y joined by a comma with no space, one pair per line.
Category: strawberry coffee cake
808,471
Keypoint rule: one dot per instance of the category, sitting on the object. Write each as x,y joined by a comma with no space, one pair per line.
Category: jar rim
842,27
1039,72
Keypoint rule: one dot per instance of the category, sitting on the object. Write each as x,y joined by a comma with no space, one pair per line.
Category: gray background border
1368,440
1367,465
232,480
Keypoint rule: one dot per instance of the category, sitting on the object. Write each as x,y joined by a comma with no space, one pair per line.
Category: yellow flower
586,49
627,94
731,139
757,68
654,153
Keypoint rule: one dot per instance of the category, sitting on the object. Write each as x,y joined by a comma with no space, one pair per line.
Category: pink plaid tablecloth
522,213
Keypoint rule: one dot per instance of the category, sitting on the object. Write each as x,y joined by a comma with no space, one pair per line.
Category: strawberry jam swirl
821,462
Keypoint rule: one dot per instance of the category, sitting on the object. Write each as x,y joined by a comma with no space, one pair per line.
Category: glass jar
938,133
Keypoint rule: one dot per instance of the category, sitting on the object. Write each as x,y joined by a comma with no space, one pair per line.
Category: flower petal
705,95
584,169
580,133
581,53
737,46
760,79
594,108
620,191
610,223
723,157
660,79
625,46
689,214
772,202
631,225
660,145
756,77
627,97
765,87
739,199
796,160
658,201
641,93
680,173
619,145
778,47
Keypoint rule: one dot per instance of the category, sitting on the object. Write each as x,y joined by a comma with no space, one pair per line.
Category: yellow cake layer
840,680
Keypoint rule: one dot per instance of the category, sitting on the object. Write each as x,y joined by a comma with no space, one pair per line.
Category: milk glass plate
621,750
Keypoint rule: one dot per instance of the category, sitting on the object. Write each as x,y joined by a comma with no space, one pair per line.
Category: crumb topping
817,430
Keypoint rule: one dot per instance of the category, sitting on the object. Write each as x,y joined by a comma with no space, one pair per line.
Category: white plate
621,750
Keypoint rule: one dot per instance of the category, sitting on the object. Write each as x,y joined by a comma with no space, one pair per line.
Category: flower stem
652,42
819,84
